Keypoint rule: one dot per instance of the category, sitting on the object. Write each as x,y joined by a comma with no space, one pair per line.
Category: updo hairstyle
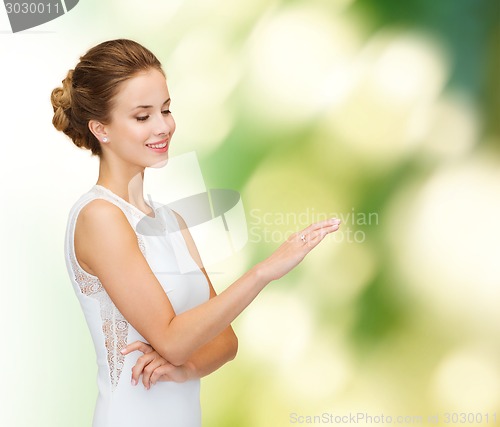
87,92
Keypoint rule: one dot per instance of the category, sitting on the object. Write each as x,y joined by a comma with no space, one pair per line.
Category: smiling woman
140,121
147,319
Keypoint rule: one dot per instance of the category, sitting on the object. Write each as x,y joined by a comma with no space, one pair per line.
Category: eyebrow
149,106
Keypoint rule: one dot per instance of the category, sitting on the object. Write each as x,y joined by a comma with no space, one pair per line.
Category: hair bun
61,103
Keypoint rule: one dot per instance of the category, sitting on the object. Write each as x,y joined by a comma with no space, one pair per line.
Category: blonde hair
87,92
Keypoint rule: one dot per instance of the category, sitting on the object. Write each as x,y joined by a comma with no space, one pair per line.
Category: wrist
261,274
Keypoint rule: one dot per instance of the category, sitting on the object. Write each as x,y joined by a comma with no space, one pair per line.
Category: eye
166,112
142,118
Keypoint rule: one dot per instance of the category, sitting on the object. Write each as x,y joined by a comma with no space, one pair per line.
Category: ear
99,130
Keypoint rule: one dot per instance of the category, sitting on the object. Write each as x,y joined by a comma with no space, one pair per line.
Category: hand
154,368
295,248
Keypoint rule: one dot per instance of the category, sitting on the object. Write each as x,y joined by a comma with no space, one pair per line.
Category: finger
139,366
137,345
332,222
161,373
149,370
307,237
319,235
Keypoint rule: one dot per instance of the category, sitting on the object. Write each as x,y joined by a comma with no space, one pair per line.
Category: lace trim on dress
114,325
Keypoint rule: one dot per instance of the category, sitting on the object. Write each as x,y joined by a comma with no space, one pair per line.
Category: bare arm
107,246
207,359
213,355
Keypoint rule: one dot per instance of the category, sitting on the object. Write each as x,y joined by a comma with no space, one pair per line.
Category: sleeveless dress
119,404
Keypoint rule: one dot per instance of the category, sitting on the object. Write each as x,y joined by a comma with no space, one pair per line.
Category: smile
159,147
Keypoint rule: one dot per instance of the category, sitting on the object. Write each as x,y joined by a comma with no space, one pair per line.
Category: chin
159,164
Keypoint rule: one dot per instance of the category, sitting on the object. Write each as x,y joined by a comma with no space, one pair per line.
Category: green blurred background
384,113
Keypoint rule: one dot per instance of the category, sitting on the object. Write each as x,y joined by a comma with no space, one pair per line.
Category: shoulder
98,207
103,216
104,236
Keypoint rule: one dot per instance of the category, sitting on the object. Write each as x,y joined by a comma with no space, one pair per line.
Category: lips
161,146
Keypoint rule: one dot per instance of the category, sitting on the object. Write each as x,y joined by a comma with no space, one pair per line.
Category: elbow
178,358
176,349
178,354
174,353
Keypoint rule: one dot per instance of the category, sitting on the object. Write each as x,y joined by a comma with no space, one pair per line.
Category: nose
164,124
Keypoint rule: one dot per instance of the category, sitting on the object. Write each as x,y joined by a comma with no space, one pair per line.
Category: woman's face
141,124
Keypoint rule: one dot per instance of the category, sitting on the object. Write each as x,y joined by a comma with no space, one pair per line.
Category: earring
105,139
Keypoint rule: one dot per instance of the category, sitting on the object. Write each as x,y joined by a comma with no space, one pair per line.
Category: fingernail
335,220
134,382
122,351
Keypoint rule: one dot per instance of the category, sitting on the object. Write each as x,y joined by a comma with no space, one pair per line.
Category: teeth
162,145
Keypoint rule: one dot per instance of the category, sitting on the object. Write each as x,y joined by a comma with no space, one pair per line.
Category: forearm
188,332
214,354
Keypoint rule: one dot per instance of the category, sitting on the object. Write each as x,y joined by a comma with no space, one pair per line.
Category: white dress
119,404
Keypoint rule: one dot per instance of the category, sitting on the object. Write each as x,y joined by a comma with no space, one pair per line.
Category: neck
124,182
